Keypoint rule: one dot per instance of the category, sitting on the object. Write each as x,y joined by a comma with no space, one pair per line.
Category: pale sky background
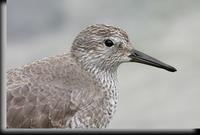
169,30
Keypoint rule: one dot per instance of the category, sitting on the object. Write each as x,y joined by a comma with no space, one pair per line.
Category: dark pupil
109,43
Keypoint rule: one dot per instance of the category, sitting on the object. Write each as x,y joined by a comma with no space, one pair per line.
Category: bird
77,89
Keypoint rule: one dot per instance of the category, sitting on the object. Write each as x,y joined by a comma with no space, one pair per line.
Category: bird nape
73,90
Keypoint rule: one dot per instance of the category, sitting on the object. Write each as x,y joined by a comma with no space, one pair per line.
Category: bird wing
45,98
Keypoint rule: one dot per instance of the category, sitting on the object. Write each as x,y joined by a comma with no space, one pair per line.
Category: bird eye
108,43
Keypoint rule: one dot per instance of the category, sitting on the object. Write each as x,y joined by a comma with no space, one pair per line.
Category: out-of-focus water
168,30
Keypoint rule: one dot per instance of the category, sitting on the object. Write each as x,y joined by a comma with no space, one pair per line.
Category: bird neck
106,78
107,83
99,69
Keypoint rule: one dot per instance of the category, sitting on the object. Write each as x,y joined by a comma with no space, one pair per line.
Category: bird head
106,47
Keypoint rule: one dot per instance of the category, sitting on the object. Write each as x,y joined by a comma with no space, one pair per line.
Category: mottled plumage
74,90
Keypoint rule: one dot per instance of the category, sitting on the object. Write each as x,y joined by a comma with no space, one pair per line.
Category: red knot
74,90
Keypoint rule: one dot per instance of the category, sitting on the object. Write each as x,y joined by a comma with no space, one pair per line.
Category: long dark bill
140,57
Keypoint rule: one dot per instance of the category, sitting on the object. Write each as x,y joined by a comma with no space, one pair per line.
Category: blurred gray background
149,98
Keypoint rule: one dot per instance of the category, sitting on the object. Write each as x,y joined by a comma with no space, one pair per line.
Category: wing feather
39,95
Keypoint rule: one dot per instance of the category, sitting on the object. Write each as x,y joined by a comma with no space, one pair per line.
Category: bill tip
172,69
